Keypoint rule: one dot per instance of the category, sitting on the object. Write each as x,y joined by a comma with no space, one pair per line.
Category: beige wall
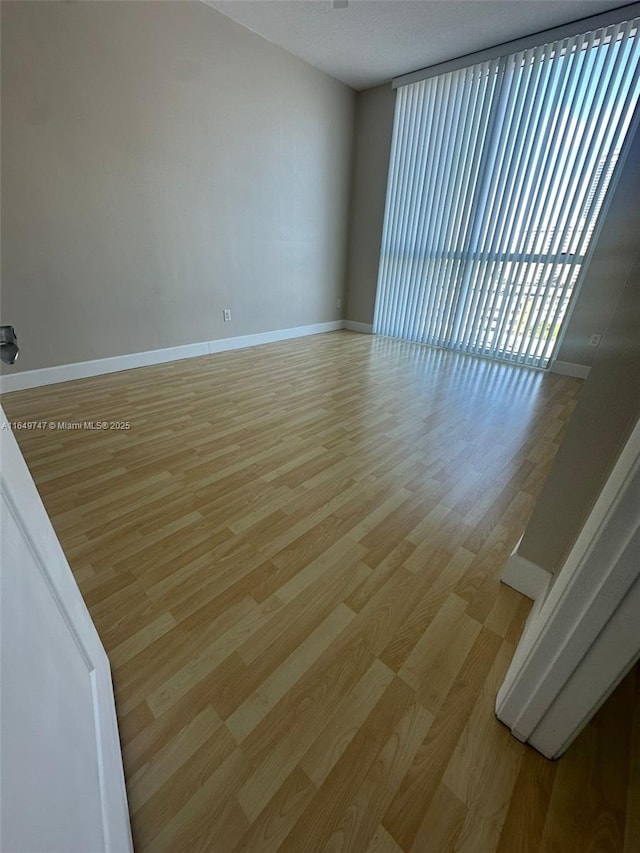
374,122
161,163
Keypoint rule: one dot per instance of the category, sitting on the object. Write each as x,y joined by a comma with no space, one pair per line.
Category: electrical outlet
594,340
226,315
338,303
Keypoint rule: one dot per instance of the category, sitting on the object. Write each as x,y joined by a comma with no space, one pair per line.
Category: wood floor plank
484,766
442,824
197,824
368,802
268,831
149,818
382,842
436,660
280,680
341,729
287,629
442,573
324,814
406,811
524,823
200,664
293,561
146,781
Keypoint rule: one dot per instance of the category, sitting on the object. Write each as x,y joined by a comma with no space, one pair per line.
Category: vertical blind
497,175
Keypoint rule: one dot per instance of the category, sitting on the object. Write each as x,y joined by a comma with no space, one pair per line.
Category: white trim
568,368
614,653
526,577
582,632
583,25
354,326
83,369
530,580
96,367
225,344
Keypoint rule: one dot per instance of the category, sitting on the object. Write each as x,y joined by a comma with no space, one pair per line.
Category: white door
61,779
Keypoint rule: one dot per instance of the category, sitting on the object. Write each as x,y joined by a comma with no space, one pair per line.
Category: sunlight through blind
497,175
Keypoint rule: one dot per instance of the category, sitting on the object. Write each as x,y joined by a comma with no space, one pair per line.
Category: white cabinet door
61,779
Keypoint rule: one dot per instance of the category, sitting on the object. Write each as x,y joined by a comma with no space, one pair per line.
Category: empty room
320,426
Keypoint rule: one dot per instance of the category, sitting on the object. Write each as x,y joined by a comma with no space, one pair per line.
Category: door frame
583,635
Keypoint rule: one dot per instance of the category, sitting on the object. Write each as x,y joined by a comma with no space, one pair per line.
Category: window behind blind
497,175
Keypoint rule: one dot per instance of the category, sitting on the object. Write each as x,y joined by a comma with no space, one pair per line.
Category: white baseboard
84,369
526,577
353,326
568,368
96,367
225,344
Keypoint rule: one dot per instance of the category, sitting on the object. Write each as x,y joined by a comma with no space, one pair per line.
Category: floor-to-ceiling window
498,173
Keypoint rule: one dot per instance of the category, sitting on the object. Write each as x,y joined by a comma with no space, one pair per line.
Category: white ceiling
372,41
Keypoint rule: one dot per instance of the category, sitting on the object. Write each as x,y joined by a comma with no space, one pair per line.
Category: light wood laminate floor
292,558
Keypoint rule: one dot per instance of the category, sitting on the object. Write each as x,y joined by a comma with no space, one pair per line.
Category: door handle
8,344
